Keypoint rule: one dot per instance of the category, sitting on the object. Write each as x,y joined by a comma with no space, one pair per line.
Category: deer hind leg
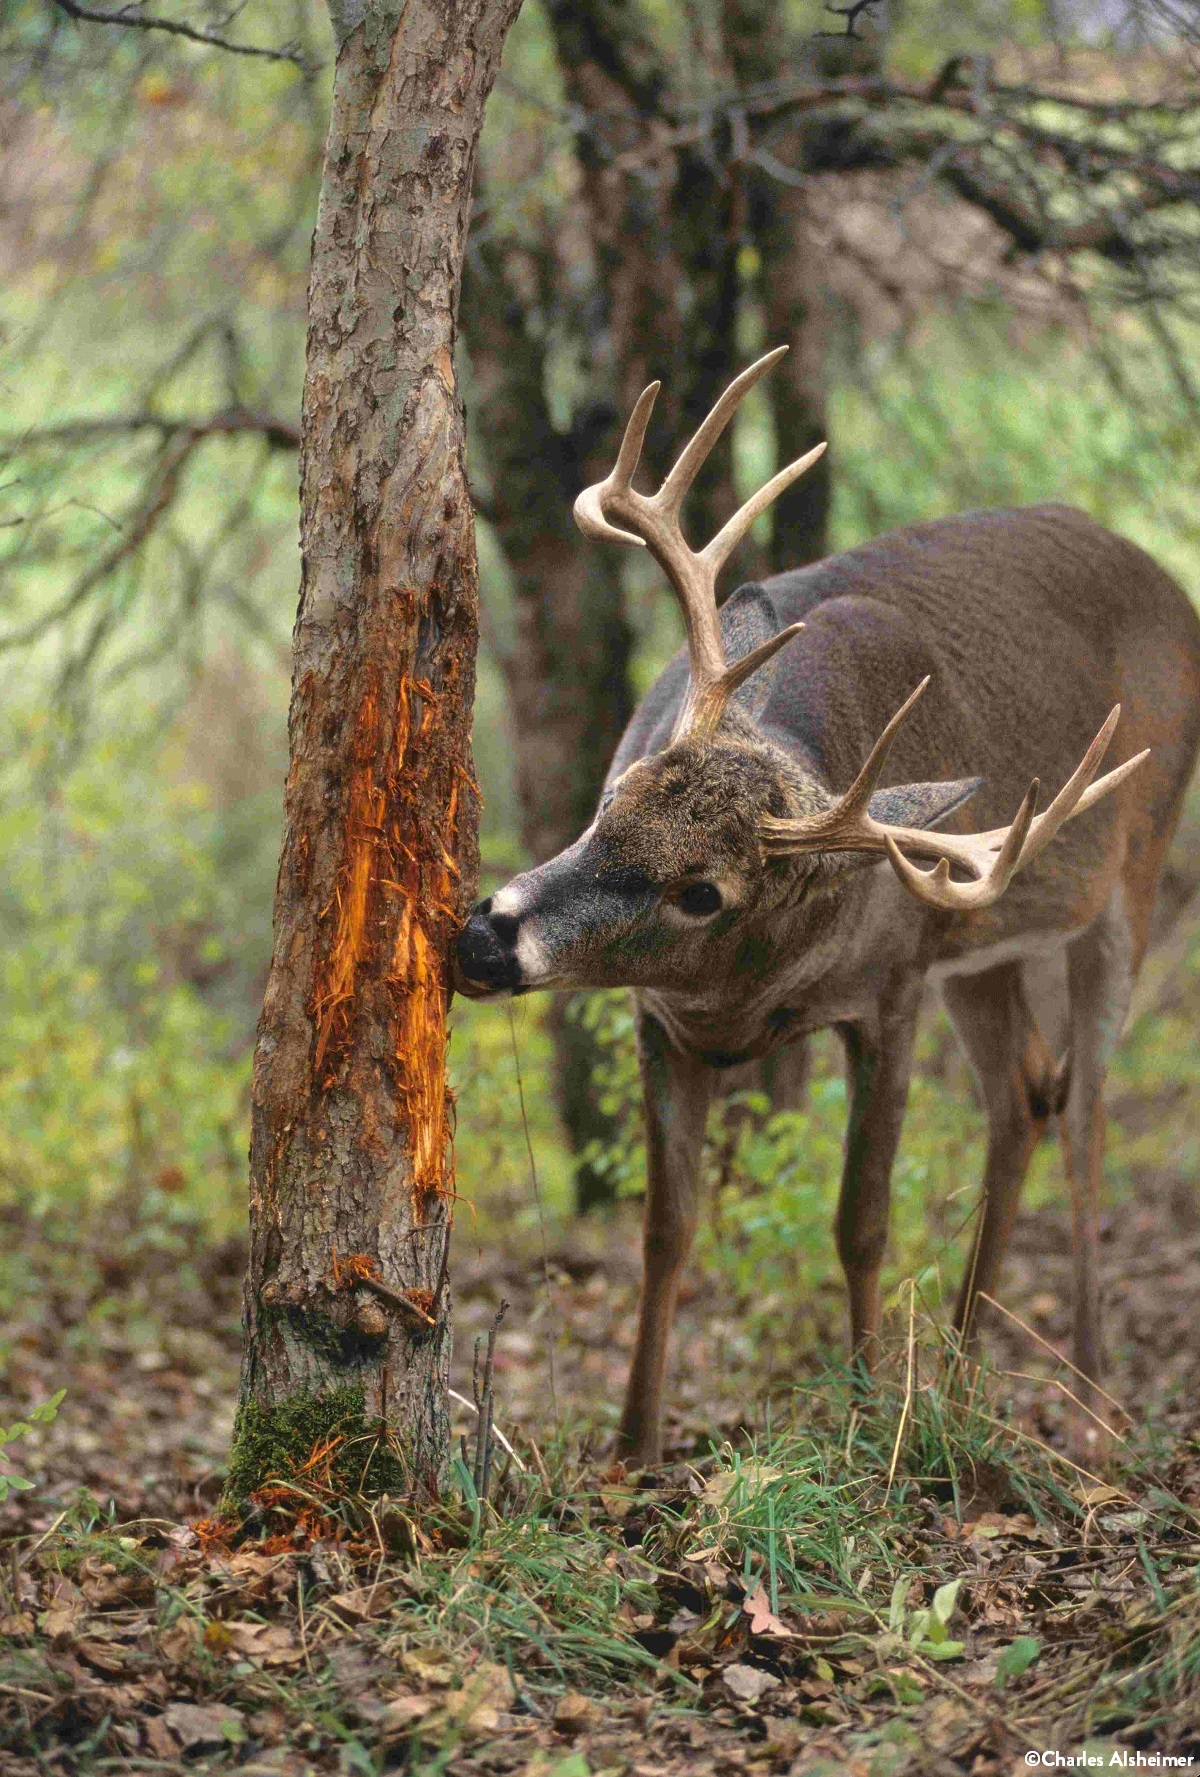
879,1062
1021,1088
677,1090
1101,966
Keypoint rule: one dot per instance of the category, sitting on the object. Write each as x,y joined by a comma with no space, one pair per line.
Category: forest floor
768,1601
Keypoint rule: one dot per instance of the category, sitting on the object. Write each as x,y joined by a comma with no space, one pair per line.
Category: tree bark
347,1309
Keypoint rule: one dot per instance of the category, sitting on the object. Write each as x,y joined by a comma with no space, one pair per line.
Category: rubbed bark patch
363,828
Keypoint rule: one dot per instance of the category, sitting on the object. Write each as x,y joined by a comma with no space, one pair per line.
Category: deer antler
992,858
653,521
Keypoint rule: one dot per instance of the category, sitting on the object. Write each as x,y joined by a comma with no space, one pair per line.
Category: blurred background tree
977,228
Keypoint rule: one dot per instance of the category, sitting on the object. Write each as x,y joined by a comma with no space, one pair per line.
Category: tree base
311,1445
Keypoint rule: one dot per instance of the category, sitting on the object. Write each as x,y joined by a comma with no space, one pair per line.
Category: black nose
487,953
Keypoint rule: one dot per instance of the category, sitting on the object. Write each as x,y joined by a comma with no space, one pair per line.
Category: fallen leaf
159,1739
204,1724
267,1644
401,1713
763,1620
180,1641
575,1713
752,1477
59,1622
1017,1658
746,1684
361,1604
102,1655
1099,1494
105,1588
429,1665
618,1505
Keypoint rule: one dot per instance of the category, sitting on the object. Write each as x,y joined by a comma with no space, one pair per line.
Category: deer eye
699,899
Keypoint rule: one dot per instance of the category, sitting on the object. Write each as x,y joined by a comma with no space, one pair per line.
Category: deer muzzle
485,955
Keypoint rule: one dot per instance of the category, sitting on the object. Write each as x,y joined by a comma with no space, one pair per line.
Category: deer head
695,850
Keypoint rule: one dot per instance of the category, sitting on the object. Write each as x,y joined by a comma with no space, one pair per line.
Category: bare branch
133,18
159,494
851,13
278,434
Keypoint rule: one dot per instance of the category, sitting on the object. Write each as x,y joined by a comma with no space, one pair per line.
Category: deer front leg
677,1089
879,1061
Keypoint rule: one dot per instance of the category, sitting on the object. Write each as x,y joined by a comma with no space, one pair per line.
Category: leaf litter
762,1602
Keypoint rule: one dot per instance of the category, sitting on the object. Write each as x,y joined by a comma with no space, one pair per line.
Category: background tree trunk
347,1311
568,675
662,300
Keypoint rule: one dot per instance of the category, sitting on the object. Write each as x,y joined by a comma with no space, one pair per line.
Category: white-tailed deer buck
750,870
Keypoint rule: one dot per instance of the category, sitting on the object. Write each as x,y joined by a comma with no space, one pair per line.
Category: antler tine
703,708
630,452
935,888
847,821
863,788
589,507
717,553
1079,792
688,464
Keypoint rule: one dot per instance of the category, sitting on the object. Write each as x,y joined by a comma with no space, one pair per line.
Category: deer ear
921,805
748,619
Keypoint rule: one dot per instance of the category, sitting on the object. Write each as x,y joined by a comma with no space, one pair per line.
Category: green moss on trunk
323,1443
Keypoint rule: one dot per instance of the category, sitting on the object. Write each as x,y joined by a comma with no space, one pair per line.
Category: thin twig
396,1298
135,20
230,422
1057,1355
483,1404
499,1435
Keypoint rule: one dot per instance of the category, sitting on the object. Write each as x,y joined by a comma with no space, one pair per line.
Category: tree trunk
568,675
347,1311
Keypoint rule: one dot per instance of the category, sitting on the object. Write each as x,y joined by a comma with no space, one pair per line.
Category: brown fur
1032,625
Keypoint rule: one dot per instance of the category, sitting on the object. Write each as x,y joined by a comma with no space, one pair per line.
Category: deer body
750,890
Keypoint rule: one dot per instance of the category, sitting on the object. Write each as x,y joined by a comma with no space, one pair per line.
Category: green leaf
944,1601
466,1480
908,1689
1016,1658
48,1411
896,1611
942,1650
